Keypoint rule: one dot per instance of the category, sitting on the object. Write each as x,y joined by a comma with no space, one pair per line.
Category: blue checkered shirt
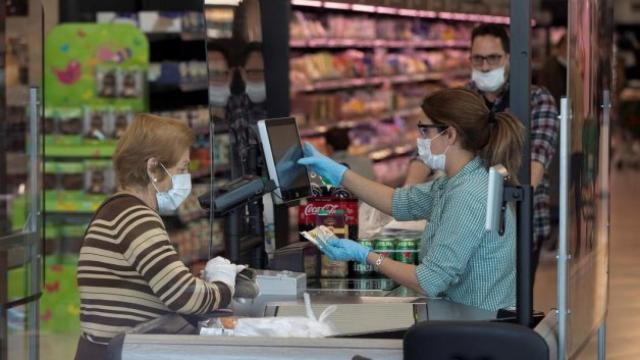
460,261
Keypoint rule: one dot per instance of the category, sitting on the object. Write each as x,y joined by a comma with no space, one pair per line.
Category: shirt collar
469,168
501,95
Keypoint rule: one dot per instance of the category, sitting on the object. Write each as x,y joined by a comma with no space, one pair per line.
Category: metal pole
34,222
3,191
520,76
519,90
602,341
563,231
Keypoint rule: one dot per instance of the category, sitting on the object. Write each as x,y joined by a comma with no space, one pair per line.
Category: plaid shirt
459,260
544,135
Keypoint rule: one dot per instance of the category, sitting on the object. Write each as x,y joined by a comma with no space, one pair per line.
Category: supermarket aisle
623,320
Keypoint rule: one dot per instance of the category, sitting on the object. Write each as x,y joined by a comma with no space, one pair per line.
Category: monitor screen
285,150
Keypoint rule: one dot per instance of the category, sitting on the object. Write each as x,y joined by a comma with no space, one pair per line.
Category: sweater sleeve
147,248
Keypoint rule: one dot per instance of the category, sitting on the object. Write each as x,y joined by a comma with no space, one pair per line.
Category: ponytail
497,138
504,146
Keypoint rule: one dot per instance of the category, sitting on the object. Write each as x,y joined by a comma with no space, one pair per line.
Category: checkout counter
371,317
370,323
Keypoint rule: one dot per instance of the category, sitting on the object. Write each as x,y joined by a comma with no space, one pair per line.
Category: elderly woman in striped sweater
128,270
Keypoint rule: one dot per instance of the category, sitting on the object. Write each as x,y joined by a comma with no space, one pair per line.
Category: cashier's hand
323,165
345,250
222,270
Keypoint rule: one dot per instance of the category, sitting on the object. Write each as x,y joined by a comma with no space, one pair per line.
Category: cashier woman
459,260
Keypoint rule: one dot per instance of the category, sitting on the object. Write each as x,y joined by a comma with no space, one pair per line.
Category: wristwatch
378,262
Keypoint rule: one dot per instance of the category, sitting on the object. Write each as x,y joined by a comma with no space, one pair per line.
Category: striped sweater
128,272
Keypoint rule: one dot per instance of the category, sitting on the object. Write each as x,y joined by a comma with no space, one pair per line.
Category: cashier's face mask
434,162
256,91
489,81
168,201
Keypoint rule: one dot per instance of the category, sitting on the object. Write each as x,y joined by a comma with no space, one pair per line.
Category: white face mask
489,81
434,162
256,91
219,94
169,201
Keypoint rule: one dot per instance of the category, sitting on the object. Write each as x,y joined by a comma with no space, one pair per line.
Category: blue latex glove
345,250
324,166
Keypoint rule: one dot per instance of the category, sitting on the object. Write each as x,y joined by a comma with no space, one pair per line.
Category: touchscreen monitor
282,150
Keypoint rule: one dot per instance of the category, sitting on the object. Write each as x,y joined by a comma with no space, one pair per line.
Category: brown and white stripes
128,272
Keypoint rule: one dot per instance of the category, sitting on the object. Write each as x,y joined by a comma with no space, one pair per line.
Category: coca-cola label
307,213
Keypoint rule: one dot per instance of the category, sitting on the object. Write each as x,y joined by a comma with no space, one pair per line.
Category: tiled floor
623,320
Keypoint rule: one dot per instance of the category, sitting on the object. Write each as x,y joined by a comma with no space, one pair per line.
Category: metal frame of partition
519,89
29,238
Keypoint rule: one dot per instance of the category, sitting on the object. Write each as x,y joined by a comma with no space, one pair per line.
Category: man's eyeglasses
423,129
492,60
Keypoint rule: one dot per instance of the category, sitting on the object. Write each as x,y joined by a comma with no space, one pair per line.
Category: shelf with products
339,43
339,30
497,18
321,71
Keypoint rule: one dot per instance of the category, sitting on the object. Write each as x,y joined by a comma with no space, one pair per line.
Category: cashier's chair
473,340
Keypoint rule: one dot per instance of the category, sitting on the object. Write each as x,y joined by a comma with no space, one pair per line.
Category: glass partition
589,82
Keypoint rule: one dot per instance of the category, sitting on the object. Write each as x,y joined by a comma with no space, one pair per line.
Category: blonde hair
149,136
497,138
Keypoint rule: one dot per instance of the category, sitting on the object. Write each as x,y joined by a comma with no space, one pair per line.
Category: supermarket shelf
392,152
337,84
413,13
350,123
80,151
184,87
373,43
185,36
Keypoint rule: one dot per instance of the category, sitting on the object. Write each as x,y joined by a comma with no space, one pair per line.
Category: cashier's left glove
222,270
323,165
345,250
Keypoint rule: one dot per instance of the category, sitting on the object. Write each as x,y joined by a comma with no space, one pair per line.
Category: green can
406,251
385,246
358,269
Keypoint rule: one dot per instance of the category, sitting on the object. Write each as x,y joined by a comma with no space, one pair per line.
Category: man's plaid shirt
544,135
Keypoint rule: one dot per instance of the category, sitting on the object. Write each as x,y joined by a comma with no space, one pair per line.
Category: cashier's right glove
222,270
345,250
323,165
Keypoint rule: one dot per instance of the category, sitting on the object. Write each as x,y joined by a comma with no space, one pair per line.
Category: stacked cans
401,247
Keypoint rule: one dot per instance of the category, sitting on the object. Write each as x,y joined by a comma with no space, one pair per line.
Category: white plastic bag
286,326
371,220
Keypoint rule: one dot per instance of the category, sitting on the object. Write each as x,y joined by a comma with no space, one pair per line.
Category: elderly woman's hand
222,270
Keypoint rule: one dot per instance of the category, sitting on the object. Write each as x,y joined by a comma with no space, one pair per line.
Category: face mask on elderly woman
170,200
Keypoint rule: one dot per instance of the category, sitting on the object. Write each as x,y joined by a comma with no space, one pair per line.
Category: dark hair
338,138
496,137
494,30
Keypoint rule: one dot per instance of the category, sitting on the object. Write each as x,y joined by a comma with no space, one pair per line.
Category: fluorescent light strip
222,2
386,10
409,12
336,5
428,14
310,3
362,8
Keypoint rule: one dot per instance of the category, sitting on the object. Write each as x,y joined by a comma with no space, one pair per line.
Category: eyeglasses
492,59
423,129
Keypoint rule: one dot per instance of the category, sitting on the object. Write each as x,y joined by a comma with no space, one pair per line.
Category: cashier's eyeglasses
492,60
423,129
